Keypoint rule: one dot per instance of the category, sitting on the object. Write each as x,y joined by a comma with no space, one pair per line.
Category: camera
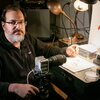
42,76
42,81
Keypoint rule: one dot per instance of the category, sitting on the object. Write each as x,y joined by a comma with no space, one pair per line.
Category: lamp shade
90,1
80,6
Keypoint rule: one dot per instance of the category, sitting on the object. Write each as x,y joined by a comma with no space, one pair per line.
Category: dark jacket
16,63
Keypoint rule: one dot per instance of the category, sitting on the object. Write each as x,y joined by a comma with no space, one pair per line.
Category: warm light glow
80,6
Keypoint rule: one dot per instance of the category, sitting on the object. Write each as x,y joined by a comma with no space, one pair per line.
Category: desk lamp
55,8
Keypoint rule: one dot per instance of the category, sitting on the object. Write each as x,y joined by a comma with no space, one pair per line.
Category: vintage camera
42,81
42,76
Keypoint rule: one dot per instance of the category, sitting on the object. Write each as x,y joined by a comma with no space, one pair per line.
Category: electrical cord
28,75
68,3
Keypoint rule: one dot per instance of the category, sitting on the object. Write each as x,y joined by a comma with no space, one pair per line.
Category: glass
14,23
91,76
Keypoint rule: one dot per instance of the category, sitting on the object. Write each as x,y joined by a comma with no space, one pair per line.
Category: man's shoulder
31,38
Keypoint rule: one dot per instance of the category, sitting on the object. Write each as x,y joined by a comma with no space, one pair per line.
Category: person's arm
48,51
42,49
4,89
23,90
3,85
20,90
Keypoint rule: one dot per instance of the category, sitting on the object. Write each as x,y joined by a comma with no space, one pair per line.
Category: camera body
42,81
41,65
42,76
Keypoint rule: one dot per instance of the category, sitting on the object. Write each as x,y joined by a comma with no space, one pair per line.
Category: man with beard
17,56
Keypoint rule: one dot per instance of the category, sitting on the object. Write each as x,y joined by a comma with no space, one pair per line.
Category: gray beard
15,38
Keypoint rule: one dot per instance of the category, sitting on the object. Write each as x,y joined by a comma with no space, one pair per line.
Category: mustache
17,31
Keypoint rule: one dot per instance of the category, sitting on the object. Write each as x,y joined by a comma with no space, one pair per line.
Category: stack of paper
76,64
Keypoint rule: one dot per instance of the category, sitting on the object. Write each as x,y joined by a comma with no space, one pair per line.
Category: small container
91,76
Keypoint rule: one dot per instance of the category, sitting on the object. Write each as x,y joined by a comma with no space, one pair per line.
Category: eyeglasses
14,23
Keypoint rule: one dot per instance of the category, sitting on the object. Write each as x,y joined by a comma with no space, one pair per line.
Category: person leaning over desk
17,55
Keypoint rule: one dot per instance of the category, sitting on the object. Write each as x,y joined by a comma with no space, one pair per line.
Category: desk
75,85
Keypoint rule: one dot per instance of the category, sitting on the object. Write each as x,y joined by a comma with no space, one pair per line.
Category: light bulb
80,6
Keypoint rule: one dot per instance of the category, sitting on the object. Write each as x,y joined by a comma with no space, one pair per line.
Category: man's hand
23,90
72,50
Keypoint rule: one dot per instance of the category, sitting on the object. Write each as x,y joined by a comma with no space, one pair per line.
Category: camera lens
57,60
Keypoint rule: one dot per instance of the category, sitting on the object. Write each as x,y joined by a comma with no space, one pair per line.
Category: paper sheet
76,64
